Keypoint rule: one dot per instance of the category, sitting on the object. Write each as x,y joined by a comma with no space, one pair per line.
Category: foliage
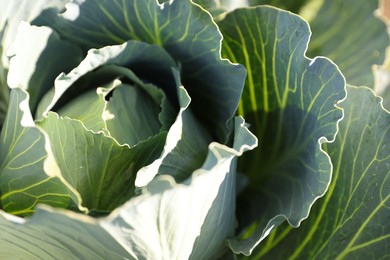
123,132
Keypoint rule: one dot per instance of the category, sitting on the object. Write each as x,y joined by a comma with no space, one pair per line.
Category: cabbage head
123,132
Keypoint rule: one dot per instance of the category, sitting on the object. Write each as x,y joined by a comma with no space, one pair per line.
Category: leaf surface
293,5
166,221
351,220
214,7
182,28
34,51
289,100
28,173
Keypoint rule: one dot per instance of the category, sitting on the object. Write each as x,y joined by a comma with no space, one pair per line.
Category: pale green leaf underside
349,33
39,55
24,182
185,148
289,100
177,226
183,29
351,220
102,66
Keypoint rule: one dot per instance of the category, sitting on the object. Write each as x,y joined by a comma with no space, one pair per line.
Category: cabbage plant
123,132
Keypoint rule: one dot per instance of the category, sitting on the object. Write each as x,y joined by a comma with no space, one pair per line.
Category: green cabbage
123,132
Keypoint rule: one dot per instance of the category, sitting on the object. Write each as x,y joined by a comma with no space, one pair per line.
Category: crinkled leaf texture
72,143
290,102
351,220
182,28
29,173
169,221
182,48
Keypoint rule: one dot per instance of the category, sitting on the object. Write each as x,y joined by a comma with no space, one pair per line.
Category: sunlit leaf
182,28
351,220
289,100
28,173
163,222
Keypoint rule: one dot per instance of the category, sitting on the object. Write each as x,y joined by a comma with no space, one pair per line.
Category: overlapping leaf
348,32
12,13
28,173
289,100
185,30
164,222
351,221
215,7
34,50
294,5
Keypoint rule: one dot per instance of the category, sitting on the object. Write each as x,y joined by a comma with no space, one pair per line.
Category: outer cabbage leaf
346,31
28,172
350,33
147,226
293,5
100,169
182,28
214,7
289,100
386,98
12,13
34,50
351,220
151,63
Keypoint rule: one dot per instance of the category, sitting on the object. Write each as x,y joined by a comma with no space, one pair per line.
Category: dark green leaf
185,30
163,222
185,148
289,100
12,13
39,55
214,7
352,220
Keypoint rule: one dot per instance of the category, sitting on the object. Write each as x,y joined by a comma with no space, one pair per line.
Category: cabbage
123,132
